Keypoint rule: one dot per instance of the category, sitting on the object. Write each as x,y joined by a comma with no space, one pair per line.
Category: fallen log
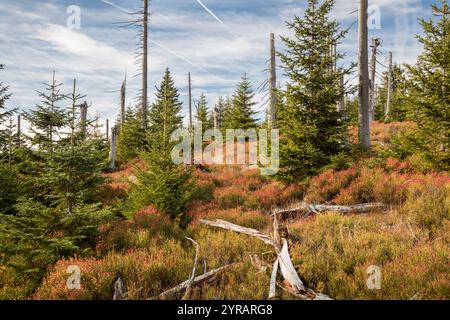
181,288
307,209
248,231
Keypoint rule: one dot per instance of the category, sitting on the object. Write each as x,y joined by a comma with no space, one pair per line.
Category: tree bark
390,88
364,116
145,65
373,75
271,117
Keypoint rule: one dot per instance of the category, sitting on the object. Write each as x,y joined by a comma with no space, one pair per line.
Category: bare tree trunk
145,65
83,116
271,117
215,119
107,129
19,134
373,75
113,154
190,102
341,102
364,116
390,88
191,127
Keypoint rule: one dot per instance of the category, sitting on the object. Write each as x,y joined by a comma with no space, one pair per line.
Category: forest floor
408,240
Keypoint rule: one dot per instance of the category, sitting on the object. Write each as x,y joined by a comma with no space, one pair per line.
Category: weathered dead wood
178,290
273,280
306,209
283,261
194,268
287,269
236,228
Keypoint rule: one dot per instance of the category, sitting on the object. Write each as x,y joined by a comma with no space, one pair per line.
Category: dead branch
178,290
283,261
273,280
307,209
194,269
236,228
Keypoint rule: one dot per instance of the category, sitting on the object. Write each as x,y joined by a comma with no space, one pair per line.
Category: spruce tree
312,130
429,94
4,116
48,117
226,115
162,183
59,216
202,114
131,140
241,115
398,109
165,114
220,109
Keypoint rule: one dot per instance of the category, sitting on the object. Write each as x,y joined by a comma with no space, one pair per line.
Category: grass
332,253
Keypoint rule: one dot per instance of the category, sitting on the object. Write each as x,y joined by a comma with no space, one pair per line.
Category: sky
216,40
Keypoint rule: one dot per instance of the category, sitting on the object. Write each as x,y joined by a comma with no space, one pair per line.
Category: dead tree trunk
123,92
190,102
144,65
83,116
19,140
113,154
390,88
373,75
107,129
271,117
363,61
341,102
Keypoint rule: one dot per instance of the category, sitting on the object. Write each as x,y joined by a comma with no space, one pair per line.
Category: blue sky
216,40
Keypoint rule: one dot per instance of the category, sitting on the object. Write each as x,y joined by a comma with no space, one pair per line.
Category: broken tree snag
248,231
181,288
273,281
307,209
287,269
194,269
284,262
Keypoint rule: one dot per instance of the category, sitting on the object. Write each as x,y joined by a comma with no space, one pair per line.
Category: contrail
116,6
157,43
177,55
215,17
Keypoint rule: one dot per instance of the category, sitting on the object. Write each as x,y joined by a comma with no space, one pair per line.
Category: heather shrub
325,187
428,207
230,198
146,227
333,252
145,273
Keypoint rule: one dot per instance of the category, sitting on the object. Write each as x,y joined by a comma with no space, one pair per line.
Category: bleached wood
178,290
312,208
194,268
273,280
287,269
236,228
363,64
